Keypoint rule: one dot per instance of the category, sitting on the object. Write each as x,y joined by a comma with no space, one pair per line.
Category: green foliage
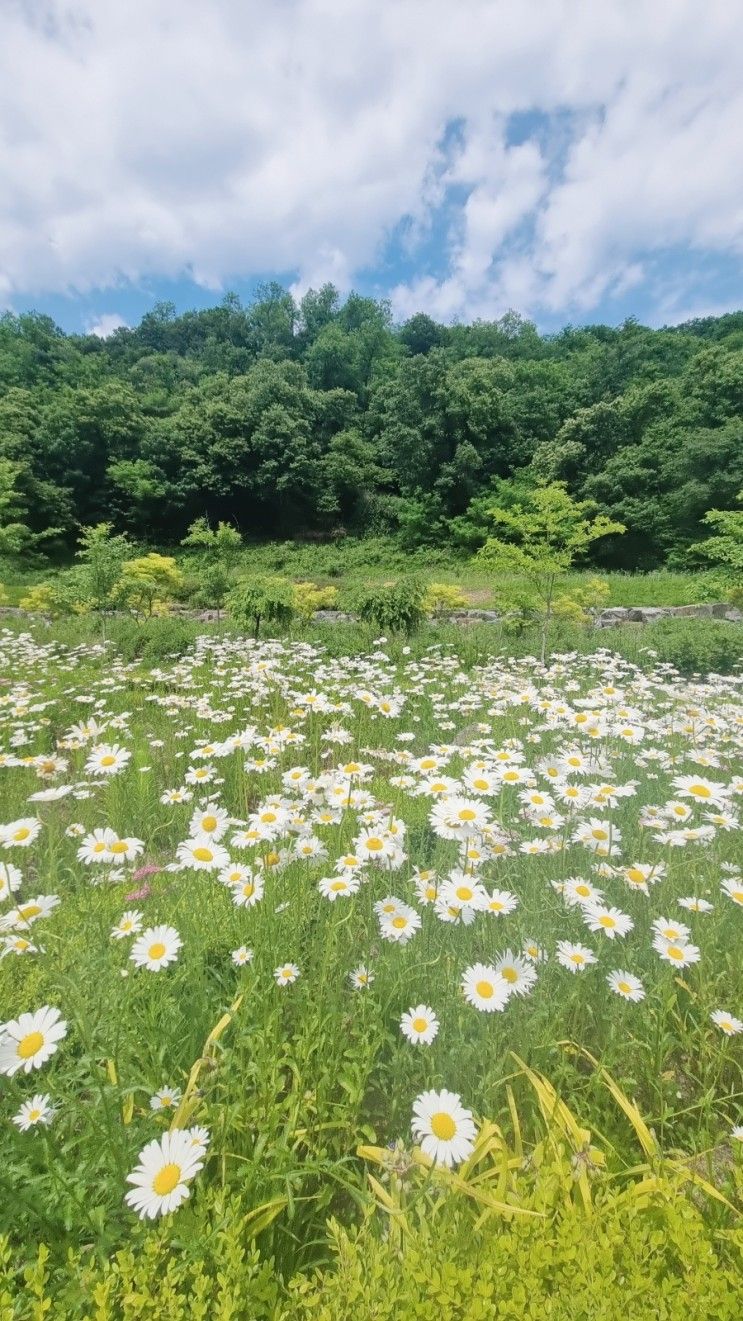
219,553
725,549
395,607
291,419
441,597
308,598
693,646
657,1264
101,555
537,544
256,601
148,583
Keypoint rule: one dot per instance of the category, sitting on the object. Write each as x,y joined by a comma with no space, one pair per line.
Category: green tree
536,545
101,556
220,549
725,549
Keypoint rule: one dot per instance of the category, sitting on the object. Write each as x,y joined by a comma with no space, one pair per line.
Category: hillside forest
320,418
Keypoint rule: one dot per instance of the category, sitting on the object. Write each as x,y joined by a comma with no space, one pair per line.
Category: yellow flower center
599,834
30,1045
481,784
338,885
203,855
419,1024
34,1115
399,923
509,975
209,822
443,1126
427,764
624,987
577,958
166,1180
375,844
674,952
100,846
108,760
699,790
606,921
583,890
511,776
467,814
22,833
157,950
464,892
28,911
484,990
248,889
120,846
634,875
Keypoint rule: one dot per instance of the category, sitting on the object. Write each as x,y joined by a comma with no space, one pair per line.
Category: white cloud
105,325
168,137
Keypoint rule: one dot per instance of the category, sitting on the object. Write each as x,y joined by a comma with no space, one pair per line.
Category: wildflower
166,1099
361,978
420,1025
673,952
485,988
242,956
248,891
518,974
107,759
701,790
402,926
574,957
286,973
609,920
695,904
25,914
338,887
733,889
202,854
166,1167
156,948
128,925
626,985
444,1129
39,1110
726,1022
20,834
30,1040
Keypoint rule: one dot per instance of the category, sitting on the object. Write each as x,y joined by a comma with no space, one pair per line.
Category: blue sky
576,163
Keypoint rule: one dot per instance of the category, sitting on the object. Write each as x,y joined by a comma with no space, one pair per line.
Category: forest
320,418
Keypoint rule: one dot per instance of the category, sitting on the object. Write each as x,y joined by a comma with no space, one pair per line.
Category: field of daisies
298,934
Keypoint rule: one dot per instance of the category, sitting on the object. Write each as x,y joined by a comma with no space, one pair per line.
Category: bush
256,601
394,607
441,597
308,598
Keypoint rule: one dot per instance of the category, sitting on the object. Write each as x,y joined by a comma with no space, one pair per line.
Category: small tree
147,584
101,557
256,601
537,544
725,550
220,549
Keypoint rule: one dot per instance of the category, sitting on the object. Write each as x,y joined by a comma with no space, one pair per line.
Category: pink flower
143,893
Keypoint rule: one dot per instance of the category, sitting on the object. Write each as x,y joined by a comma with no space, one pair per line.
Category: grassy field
413,936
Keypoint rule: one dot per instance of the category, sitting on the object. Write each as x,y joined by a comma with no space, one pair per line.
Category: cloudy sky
578,160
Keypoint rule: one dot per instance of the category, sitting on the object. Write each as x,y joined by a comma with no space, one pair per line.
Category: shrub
256,601
308,598
395,607
148,583
440,597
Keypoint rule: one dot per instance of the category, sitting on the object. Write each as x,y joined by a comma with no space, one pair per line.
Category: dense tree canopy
320,416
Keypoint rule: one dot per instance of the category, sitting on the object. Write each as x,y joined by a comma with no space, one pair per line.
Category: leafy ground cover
410,937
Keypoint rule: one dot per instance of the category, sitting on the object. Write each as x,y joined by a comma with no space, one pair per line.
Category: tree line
321,417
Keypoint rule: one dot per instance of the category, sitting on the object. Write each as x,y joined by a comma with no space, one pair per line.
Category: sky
575,160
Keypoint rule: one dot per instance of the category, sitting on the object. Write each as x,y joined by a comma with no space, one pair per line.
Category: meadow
359,976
